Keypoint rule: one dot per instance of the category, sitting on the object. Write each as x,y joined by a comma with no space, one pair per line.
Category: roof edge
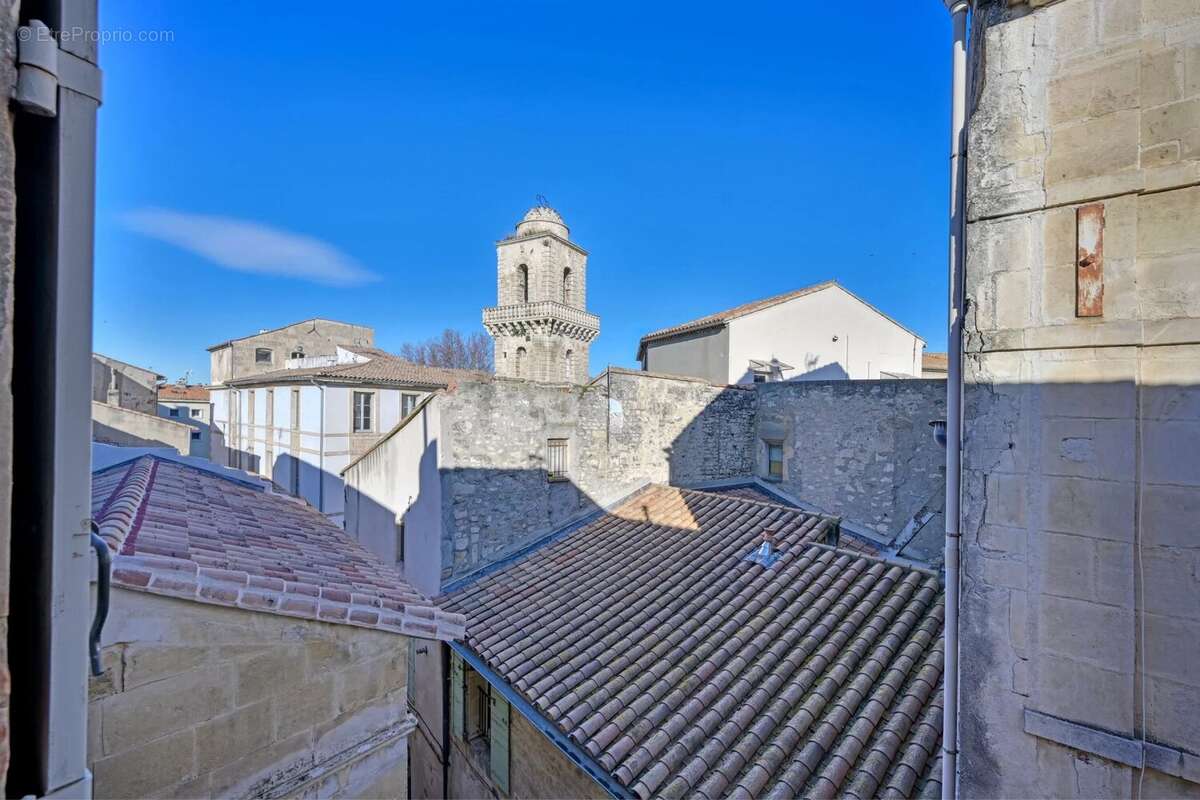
228,342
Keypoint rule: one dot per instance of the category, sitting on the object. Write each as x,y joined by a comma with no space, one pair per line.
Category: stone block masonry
860,449
204,701
1081,480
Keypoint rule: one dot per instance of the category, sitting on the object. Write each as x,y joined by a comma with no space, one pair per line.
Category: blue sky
265,167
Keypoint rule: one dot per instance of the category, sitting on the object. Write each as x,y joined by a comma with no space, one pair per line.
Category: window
262,355
519,369
569,366
196,413
172,412
775,460
479,717
556,459
295,409
566,294
362,412
407,403
760,377
523,283
195,436
250,412
298,352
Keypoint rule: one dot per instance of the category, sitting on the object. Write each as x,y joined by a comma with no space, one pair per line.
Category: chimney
765,554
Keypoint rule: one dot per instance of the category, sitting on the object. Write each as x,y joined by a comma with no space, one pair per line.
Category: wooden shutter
456,695
498,737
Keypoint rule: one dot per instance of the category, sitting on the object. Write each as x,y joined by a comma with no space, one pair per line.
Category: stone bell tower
540,325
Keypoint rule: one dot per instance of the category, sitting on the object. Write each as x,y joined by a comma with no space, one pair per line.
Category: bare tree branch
451,350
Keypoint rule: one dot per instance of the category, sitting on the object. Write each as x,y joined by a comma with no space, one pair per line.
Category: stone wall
121,426
120,384
319,337
206,701
621,434
1081,466
860,449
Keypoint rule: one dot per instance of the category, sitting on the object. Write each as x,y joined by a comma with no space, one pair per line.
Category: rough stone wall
318,337
1082,454
548,358
206,701
497,496
861,449
8,222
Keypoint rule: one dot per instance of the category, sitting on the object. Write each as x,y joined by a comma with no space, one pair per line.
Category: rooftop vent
765,554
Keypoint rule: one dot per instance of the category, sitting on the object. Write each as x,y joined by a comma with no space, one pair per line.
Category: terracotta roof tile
686,670
186,532
174,391
380,368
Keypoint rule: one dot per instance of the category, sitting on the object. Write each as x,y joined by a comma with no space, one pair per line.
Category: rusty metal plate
1089,260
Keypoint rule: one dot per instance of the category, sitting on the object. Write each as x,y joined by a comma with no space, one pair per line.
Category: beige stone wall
206,701
122,426
538,769
1082,462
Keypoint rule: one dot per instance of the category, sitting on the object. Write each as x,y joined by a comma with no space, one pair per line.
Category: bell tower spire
540,324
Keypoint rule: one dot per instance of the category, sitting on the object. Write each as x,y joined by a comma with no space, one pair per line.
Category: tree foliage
452,350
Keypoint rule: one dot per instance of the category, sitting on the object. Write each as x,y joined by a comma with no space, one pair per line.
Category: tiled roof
381,368
187,533
173,391
685,670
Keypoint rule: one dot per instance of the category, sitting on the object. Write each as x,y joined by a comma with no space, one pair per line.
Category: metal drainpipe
959,10
320,451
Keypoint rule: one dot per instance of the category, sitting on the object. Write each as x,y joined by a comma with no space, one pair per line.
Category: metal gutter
536,718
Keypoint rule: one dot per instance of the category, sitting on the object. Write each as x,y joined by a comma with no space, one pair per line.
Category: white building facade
302,425
821,332
189,405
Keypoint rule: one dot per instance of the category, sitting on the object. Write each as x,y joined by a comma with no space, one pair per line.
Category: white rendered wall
800,332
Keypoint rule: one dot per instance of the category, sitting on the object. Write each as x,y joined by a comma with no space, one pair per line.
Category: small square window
263,356
195,436
362,412
407,403
196,412
173,412
556,459
760,377
775,460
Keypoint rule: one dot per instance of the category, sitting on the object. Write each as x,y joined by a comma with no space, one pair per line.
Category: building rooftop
175,391
379,368
722,317
314,320
935,362
682,669
193,534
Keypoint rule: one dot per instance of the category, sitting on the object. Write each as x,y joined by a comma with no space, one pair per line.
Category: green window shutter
499,740
456,695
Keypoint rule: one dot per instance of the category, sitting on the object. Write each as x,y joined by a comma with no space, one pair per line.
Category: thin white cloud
249,246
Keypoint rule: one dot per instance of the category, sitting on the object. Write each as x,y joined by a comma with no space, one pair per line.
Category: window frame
771,446
371,407
195,436
410,400
173,411
196,413
258,353
558,459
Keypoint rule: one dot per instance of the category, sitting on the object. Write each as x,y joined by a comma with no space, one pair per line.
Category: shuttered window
498,734
456,695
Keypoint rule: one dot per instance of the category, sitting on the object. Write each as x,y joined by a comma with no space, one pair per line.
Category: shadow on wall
828,372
